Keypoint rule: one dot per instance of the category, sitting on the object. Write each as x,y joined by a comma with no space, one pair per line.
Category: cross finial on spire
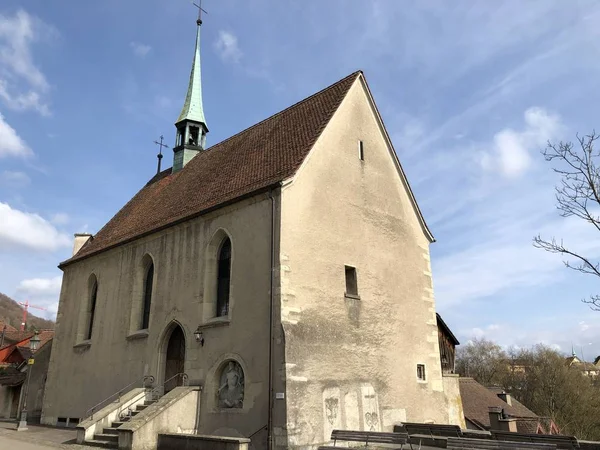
200,11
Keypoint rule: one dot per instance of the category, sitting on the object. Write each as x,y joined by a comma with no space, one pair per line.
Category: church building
285,271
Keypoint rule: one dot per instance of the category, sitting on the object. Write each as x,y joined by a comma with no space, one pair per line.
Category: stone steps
109,438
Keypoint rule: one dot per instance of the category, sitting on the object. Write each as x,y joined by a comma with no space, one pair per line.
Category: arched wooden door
175,360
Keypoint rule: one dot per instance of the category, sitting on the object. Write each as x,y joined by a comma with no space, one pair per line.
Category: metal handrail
157,391
90,412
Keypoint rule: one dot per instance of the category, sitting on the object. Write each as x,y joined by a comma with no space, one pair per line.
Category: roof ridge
331,86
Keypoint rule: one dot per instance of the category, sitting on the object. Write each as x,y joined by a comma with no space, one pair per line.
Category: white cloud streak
227,47
22,83
511,151
19,229
10,142
140,50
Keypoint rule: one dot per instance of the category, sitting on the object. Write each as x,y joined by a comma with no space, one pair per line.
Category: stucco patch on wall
393,417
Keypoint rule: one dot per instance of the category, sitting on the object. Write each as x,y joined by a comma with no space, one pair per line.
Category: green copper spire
192,108
191,124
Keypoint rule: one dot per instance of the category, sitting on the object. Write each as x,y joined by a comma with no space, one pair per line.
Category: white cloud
23,102
14,179
10,142
17,69
28,230
227,47
60,219
140,50
37,287
511,150
43,292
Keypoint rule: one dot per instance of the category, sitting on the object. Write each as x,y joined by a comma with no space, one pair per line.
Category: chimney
505,396
80,240
499,421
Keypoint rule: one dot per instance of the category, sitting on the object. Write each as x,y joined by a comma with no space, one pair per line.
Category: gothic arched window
148,280
223,278
91,306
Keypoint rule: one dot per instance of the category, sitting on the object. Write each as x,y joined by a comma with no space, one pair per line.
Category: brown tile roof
257,158
8,327
477,399
11,377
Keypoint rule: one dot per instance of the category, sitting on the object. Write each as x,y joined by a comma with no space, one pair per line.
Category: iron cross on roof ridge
160,155
200,11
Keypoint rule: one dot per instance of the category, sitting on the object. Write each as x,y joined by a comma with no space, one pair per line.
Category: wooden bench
560,440
368,437
486,444
431,429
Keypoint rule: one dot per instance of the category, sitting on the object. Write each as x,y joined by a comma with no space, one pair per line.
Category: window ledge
83,344
215,322
352,296
422,381
140,334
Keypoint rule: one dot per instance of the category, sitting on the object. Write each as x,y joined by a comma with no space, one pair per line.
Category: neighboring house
493,408
16,342
587,368
13,379
447,342
265,268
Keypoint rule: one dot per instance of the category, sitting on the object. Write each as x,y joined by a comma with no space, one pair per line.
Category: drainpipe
271,320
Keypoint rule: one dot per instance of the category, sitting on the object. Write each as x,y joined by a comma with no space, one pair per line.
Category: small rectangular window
421,372
351,282
361,151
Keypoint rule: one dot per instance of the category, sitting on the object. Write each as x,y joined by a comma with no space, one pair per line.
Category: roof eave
240,198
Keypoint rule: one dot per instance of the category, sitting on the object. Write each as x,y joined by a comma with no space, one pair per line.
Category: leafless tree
578,195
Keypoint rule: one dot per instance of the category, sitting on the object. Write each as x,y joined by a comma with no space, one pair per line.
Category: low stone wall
200,442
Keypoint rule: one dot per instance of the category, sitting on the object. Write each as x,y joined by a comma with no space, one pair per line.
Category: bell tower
191,124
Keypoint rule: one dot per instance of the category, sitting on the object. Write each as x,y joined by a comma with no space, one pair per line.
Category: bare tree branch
578,195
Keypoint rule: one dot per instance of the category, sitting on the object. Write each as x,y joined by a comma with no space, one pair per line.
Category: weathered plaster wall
456,415
352,363
37,382
179,253
8,401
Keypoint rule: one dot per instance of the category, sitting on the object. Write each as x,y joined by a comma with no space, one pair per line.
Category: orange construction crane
26,306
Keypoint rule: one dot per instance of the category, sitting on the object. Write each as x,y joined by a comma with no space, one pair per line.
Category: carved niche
231,386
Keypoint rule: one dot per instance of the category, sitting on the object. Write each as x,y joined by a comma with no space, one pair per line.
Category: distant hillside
12,313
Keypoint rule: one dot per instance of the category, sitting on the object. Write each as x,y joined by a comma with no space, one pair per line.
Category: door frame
162,349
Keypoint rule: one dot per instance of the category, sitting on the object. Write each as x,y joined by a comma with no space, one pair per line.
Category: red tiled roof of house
255,159
477,399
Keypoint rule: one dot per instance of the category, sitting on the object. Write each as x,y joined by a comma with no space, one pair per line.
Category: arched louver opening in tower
223,278
148,282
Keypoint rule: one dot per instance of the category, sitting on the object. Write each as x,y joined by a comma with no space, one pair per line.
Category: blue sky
470,91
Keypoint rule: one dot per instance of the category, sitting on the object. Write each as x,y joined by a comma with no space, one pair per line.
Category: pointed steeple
191,124
192,108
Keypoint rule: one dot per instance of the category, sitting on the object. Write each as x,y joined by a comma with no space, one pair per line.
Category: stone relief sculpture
331,409
231,390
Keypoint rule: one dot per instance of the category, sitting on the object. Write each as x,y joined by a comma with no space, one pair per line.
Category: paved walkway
37,438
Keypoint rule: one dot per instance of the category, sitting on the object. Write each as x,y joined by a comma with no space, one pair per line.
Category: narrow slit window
351,281
147,297
361,151
421,372
92,309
